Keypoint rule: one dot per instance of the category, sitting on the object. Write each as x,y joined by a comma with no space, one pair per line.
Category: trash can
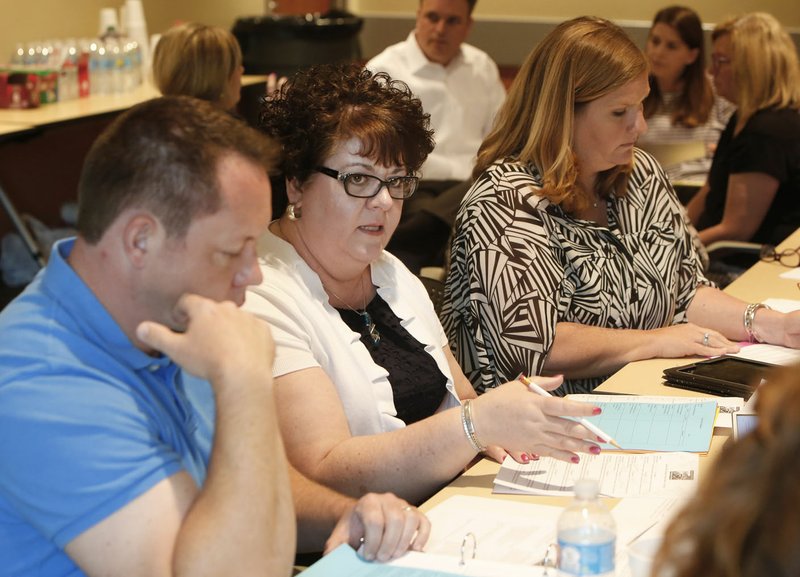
286,43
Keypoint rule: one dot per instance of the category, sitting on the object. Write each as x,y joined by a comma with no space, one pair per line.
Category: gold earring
293,212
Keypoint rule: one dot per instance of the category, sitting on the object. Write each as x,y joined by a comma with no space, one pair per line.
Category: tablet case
721,376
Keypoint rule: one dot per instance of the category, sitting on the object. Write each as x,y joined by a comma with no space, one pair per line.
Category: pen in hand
586,423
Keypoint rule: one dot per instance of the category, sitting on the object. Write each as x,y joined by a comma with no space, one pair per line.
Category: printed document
620,474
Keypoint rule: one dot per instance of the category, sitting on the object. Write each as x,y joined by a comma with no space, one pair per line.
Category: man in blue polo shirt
111,463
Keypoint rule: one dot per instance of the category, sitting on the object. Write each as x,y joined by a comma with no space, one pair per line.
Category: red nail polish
575,460
594,450
534,457
601,440
524,458
597,411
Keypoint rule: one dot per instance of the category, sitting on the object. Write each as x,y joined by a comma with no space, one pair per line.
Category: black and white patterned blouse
520,265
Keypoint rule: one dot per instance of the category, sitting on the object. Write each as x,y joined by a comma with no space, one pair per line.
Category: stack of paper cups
108,19
136,29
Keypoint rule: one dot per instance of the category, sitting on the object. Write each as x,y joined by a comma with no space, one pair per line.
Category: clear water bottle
586,534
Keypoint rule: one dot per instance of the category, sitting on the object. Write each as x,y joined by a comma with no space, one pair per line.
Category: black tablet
720,376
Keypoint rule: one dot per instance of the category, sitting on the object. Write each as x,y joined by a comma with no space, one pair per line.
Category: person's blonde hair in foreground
745,519
202,61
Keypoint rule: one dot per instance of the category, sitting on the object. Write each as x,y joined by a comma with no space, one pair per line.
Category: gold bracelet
749,318
469,426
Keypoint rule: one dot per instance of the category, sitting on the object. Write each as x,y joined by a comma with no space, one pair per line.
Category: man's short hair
162,156
470,4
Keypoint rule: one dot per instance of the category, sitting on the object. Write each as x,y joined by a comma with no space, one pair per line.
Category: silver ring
705,339
407,508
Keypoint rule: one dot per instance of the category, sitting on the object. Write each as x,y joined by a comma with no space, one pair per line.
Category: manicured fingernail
601,439
575,460
594,450
597,411
524,458
534,457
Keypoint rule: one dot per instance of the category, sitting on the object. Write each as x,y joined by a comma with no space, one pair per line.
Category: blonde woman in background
753,188
201,61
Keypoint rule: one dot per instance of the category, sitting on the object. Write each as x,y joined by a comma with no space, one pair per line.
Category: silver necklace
372,330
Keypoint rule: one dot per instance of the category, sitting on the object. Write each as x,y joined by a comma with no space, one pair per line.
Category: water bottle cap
586,489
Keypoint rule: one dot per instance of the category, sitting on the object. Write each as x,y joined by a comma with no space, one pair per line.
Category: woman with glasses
369,395
753,187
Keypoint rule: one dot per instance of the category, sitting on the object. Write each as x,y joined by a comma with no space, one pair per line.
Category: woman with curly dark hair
369,395
745,519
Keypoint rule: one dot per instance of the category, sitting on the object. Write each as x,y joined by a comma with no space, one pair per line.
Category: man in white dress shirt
460,87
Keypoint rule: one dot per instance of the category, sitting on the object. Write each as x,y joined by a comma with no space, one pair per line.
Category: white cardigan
309,332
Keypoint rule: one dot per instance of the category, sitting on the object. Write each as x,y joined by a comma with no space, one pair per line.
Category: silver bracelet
749,317
469,426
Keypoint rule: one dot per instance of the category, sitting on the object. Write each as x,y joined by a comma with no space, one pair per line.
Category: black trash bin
286,43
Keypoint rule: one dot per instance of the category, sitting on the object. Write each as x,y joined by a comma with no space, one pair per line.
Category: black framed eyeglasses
366,185
789,257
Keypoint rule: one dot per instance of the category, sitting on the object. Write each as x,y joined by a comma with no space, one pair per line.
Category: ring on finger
407,508
705,339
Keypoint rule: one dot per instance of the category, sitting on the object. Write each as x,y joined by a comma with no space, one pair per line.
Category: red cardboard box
19,89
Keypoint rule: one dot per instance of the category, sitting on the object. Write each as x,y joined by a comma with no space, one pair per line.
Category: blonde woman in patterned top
572,254
682,106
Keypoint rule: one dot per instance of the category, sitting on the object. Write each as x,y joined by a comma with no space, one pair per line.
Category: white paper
473,567
783,305
727,407
791,274
774,354
506,531
619,474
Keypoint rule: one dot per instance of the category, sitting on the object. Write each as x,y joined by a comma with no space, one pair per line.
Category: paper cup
108,19
641,554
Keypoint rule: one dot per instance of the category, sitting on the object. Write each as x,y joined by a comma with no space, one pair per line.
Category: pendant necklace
372,330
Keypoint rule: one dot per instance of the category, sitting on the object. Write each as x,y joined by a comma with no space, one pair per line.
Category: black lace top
417,383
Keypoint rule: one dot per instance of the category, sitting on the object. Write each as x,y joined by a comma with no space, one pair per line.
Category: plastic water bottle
586,534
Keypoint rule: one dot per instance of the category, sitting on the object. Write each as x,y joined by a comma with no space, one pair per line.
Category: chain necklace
372,330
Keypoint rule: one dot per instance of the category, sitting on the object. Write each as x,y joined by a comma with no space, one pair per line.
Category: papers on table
653,423
784,305
619,474
791,274
510,539
508,531
773,354
727,406
345,561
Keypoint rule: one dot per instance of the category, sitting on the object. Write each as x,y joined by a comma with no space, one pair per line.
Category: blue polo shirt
88,422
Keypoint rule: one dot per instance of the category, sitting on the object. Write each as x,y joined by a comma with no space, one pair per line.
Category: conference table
760,282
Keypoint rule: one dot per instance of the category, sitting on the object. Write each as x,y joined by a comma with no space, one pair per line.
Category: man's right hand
219,338
384,525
